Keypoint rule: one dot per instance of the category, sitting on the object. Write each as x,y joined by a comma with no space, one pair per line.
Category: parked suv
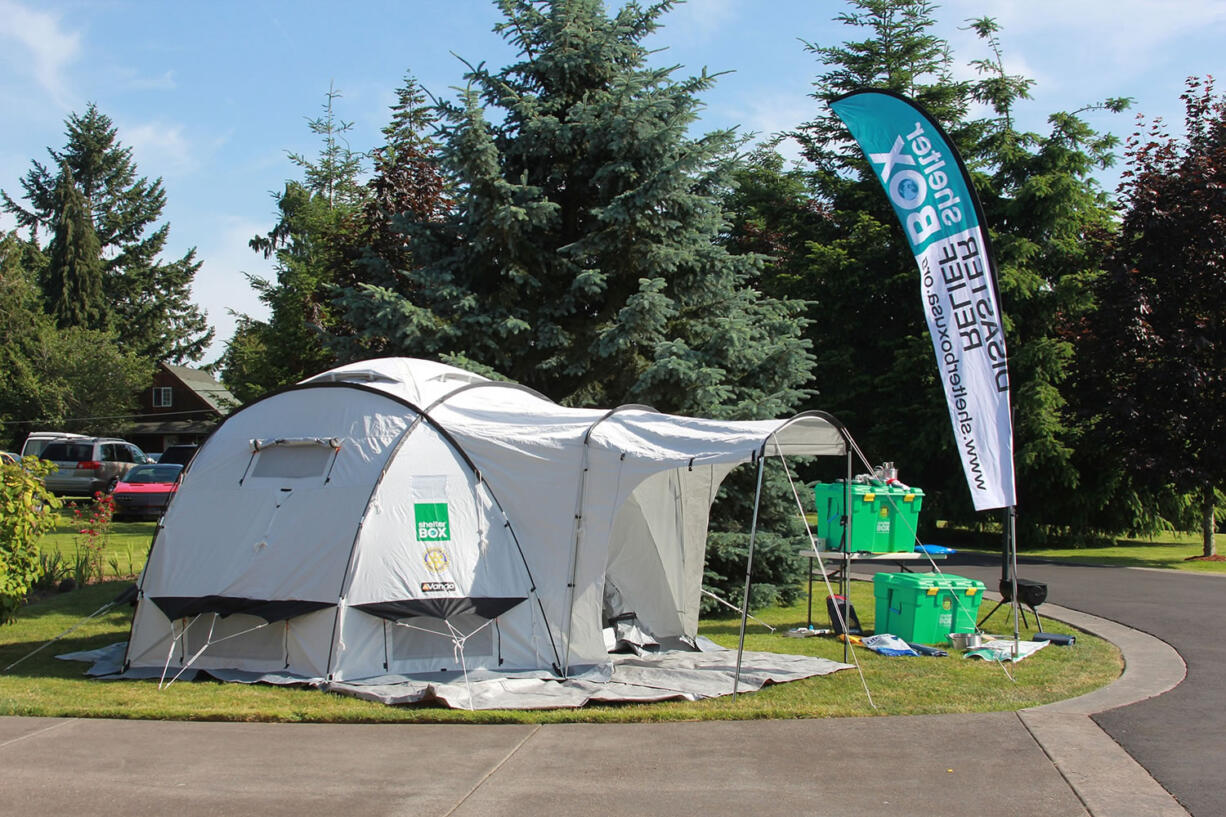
36,442
90,464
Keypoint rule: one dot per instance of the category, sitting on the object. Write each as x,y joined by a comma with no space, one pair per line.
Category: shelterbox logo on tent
433,523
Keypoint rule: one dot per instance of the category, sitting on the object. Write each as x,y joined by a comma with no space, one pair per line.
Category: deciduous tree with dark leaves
1159,336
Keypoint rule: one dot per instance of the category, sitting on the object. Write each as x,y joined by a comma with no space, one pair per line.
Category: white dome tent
401,529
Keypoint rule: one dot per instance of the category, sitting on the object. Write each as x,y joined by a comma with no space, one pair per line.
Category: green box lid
925,581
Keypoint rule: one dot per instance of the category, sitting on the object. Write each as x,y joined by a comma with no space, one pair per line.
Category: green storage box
883,517
907,503
925,608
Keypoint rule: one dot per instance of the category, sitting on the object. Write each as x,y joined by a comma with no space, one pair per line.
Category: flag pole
1011,518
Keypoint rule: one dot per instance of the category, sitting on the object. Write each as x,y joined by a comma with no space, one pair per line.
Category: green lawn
45,686
1176,551
125,550
1173,551
128,547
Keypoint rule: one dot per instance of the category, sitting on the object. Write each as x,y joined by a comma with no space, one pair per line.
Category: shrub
777,575
95,536
52,569
27,511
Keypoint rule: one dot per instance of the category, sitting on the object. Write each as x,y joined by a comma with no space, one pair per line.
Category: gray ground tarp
647,677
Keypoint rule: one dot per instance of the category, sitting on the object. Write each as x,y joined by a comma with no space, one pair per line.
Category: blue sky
211,96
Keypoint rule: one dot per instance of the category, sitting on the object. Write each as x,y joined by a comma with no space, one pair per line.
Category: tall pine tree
148,300
875,366
581,256
408,187
874,360
314,242
50,376
74,271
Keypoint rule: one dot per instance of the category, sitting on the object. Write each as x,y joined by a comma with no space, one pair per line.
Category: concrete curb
1104,777
1107,780
1151,666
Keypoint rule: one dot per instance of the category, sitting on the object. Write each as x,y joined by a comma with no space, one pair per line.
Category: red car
145,490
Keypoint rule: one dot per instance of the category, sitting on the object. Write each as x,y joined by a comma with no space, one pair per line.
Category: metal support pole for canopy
753,532
845,580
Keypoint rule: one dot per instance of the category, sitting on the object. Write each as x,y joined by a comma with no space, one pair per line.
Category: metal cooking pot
965,641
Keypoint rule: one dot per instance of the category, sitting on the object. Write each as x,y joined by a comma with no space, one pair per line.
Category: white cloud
697,20
160,148
39,47
773,112
767,115
1122,36
1123,21
165,82
221,287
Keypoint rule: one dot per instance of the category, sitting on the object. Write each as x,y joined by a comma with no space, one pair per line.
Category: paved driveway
1180,737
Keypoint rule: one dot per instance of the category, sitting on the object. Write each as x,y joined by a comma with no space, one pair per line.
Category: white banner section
969,341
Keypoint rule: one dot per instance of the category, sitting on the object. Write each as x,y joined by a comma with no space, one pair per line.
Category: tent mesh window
292,462
428,639
237,636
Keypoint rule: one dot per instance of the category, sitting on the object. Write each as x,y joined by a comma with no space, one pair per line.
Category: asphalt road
1179,737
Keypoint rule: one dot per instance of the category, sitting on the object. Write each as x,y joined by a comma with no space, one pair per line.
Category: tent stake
753,532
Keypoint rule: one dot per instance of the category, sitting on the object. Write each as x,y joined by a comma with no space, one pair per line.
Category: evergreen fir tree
74,271
583,254
148,301
52,376
408,186
581,257
314,242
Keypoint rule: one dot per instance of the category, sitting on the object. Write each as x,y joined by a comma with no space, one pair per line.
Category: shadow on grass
75,604
1087,560
1074,558
37,624
733,628
44,665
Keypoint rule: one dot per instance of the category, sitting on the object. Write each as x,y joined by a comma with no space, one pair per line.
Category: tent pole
753,532
573,571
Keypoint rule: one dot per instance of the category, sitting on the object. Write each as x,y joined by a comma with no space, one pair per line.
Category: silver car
89,465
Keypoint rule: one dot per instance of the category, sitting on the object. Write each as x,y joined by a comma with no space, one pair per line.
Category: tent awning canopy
523,419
